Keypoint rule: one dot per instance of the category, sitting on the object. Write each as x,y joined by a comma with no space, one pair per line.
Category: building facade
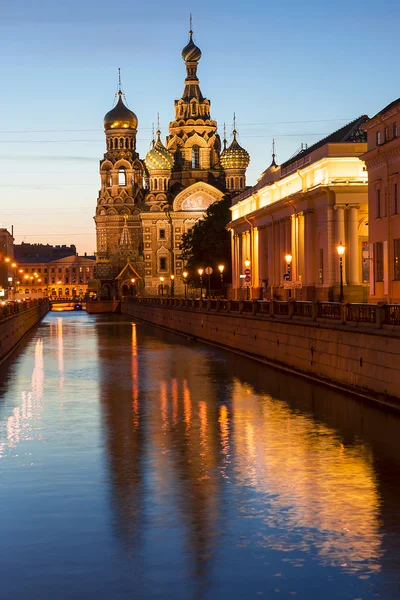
289,225
383,164
6,262
145,206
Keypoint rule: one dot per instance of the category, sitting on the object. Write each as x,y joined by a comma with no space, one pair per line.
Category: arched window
178,157
60,291
121,143
67,291
20,291
110,145
39,290
33,291
195,157
53,292
121,176
155,184
26,291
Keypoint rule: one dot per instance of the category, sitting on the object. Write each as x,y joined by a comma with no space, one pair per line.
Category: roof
351,132
387,108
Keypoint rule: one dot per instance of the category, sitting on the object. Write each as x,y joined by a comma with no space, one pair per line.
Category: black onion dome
120,117
191,52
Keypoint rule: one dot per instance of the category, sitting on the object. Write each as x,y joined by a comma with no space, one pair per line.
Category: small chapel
146,205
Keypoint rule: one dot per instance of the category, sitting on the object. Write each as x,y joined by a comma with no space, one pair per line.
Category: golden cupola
120,117
159,158
234,161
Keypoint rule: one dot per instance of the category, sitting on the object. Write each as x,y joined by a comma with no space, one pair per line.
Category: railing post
343,312
291,307
271,307
314,310
228,306
380,314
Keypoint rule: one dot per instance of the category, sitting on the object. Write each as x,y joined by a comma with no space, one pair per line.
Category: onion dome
120,117
235,157
191,53
159,158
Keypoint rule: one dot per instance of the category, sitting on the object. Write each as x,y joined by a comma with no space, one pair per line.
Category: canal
135,463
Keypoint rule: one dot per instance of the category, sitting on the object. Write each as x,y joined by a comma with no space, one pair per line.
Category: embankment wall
15,326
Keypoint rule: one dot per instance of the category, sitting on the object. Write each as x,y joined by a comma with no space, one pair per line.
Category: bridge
67,304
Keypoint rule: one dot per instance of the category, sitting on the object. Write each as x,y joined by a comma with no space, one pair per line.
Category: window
121,176
161,234
39,270
395,129
379,261
60,270
378,138
121,143
53,270
163,263
386,134
195,157
45,270
396,257
73,269
378,204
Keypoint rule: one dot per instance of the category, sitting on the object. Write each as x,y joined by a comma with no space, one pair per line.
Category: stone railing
376,316
15,308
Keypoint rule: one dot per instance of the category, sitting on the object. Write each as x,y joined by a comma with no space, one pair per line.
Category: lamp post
162,285
288,259
200,272
248,275
172,285
184,275
221,270
340,250
133,283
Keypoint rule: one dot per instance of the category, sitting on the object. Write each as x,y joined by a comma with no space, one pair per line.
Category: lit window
195,157
121,176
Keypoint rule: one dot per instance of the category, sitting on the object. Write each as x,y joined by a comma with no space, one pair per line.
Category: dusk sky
291,70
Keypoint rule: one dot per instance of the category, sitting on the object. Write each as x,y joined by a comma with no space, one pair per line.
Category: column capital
340,206
353,206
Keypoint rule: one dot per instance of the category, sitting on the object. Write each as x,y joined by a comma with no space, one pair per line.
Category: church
146,205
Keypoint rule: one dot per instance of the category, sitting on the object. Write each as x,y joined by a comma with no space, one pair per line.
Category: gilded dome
120,117
159,158
191,53
235,157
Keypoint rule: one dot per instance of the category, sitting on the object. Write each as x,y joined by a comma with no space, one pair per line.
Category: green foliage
208,243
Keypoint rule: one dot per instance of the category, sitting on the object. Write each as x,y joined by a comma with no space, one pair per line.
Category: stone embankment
16,320
353,347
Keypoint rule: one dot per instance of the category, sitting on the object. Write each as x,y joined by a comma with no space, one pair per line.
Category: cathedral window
121,143
161,234
178,157
155,182
121,176
195,157
163,263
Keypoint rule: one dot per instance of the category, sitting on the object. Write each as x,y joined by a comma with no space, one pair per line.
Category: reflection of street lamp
247,265
221,270
200,272
162,285
172,285
184,275
288,259
340,250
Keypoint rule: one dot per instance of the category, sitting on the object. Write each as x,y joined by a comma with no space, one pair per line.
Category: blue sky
290,70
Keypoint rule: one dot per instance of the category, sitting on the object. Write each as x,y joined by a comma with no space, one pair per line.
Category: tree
208,244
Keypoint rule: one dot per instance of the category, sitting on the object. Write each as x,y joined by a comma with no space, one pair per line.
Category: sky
290,70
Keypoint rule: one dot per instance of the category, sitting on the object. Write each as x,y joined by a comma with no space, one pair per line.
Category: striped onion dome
235,157
159,158
191,53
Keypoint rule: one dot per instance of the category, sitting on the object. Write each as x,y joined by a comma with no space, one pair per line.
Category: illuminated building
146,205
6,260
383,164
288,226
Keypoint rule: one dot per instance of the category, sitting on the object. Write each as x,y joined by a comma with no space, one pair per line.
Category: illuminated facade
383,164
145,206
302,210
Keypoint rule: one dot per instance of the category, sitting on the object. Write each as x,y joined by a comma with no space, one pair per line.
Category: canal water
135,463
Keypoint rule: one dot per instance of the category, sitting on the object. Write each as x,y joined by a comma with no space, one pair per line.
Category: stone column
233,260
340,238
310,277
255,269
353,251
300,246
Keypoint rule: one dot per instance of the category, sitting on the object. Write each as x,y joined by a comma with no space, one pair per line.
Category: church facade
146,205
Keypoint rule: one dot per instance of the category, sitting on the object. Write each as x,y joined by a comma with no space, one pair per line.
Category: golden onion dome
191,52
120,117
159,158
235,157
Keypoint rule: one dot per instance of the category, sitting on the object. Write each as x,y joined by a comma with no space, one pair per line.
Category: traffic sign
286,276
208,270
247,271
247,279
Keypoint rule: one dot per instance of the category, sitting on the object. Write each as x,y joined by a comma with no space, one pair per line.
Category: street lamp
172,285
162,285
340,250
221,270
288,259
184,275
200,272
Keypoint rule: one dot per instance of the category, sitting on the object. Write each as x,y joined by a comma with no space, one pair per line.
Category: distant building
146,205
54,271
383,164
6,261
303,209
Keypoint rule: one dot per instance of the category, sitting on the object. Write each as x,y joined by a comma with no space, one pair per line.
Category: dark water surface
137,464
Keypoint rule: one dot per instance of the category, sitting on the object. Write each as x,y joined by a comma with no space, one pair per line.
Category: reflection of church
144,206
